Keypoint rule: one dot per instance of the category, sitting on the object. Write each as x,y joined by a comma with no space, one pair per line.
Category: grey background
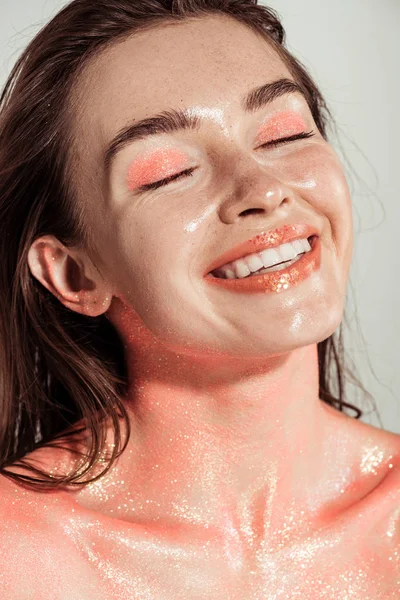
351,48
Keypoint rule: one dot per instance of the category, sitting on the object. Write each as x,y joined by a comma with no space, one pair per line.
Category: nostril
251,210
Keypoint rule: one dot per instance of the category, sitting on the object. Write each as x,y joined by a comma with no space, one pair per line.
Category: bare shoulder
366,461
35,550
379,456
368,445
380,459
380,448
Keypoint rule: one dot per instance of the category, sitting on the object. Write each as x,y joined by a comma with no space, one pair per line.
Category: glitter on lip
275,281
263,241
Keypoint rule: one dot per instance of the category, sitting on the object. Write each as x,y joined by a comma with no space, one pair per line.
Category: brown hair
57,367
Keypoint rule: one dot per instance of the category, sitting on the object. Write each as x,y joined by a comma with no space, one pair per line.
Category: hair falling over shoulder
59,368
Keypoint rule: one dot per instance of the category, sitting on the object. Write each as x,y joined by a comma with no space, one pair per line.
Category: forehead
209,62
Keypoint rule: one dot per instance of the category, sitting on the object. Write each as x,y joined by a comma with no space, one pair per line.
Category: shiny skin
238,482
99,543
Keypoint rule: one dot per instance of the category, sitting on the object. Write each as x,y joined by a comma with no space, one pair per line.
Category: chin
304,329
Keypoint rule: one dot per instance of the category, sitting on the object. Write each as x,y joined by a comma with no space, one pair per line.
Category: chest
357,561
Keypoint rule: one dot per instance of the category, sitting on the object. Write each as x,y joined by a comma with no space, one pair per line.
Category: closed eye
157,184
189,172
292,138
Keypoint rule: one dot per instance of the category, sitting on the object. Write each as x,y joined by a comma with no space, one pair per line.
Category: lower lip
276,281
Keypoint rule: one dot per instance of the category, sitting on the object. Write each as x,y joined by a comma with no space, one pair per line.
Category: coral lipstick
263,241
275,281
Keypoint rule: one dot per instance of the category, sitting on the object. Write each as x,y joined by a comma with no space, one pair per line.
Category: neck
212,436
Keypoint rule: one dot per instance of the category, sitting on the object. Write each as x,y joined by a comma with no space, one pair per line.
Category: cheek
333,197
147,248
318,176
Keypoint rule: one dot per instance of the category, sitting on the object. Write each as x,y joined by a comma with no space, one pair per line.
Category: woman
152,154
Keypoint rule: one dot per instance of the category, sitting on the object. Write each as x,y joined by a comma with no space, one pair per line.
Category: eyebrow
176,120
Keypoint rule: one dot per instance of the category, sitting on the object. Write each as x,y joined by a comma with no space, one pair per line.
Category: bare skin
238,482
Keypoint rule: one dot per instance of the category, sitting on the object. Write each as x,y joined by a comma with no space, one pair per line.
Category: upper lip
263,240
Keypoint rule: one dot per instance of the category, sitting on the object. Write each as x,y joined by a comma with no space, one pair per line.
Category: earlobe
70,276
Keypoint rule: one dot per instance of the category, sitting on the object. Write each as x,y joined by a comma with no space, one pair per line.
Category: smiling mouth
287,276
218,274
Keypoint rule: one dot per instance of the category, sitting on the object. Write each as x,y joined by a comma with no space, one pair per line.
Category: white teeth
252,263
241,269
298,246
230,274
287,251
271,257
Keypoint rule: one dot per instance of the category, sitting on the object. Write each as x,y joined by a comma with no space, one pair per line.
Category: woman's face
154,245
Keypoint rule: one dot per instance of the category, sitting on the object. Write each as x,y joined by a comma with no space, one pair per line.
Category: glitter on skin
235,488
371,460
280,125
160,164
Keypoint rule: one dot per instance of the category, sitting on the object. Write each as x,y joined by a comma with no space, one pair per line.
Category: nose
256,195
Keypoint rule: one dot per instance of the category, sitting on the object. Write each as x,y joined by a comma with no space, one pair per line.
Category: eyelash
189,172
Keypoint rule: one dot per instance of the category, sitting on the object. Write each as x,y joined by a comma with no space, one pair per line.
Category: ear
70,275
